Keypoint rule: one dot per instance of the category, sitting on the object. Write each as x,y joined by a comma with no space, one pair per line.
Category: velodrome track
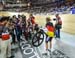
63,48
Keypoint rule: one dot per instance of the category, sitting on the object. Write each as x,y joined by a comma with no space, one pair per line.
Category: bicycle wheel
38,39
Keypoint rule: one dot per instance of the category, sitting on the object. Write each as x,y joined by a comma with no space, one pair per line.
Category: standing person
16,22
30,25
1,28
23,23
5,39
20,23
17,29
14,37
58,26
31,21
20,26
11,31
24,27
49,33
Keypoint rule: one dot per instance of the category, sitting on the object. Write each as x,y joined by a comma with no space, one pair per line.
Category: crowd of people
12,28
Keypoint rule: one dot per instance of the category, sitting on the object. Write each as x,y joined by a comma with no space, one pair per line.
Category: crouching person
5,40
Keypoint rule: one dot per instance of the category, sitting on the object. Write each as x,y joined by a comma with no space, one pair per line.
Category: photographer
11,31
5,38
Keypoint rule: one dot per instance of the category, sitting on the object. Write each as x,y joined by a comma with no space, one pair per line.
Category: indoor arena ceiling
33,5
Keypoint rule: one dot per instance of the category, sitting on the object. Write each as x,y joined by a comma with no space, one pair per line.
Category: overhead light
18,1
29,4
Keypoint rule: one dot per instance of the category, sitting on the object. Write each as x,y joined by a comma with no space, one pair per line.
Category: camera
54,19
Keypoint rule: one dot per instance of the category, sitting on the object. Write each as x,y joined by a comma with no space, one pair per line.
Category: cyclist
31,25
49,33
31,22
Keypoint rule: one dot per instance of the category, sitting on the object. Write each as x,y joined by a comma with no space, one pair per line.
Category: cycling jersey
31,20
50,29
